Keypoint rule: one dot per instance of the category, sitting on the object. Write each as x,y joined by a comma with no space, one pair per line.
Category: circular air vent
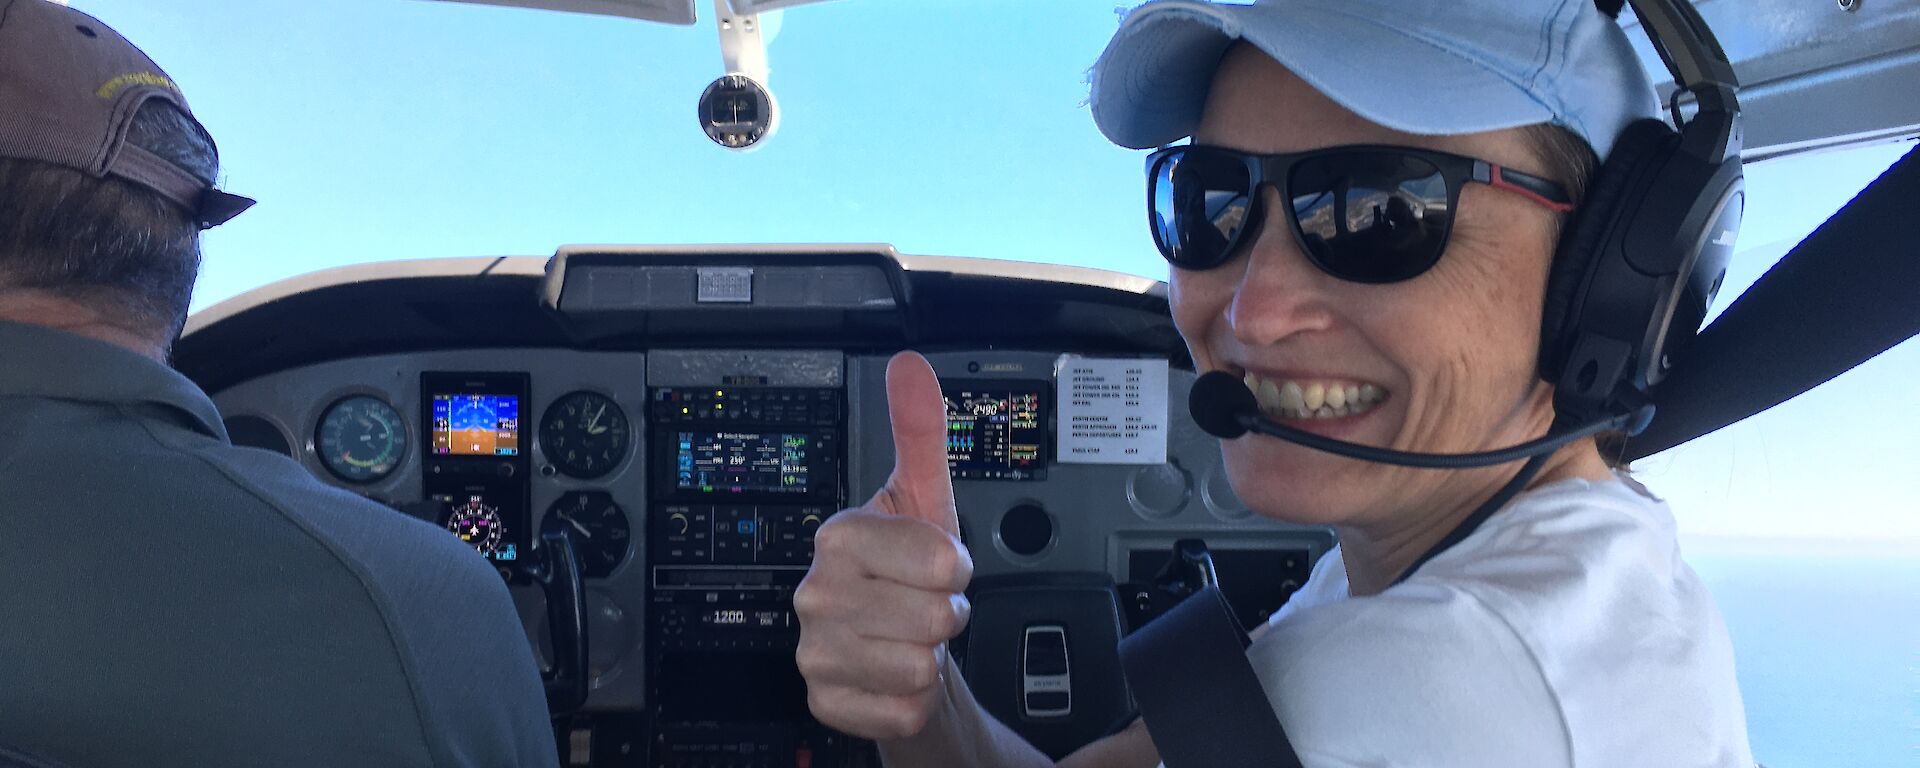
1159,491
1026,530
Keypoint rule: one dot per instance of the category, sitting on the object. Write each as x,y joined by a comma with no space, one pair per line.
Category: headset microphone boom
1224,408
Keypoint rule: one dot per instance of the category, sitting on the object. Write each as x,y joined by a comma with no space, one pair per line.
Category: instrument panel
696,479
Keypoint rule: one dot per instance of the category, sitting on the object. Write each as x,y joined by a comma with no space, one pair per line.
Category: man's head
106,180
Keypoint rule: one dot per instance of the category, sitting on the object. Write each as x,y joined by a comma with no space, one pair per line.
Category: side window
1804,521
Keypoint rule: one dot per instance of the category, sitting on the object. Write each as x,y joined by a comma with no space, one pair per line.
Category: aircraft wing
662,11
762,6
1814,74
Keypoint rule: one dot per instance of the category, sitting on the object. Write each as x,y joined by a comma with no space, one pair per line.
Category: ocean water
1827,642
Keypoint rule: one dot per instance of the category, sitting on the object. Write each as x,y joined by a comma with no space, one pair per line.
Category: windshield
373,130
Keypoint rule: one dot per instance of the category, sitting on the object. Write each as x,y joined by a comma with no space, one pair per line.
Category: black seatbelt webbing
1202,704
1189,671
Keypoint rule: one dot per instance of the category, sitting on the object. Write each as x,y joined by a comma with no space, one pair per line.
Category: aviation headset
1632,277
1641,260
1633,273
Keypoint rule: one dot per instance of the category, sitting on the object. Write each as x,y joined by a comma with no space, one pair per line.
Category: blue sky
373,130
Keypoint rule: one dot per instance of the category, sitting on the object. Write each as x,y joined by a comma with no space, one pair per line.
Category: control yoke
1187,572
556,568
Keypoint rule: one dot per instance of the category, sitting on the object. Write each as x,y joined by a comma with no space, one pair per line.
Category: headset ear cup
1636,153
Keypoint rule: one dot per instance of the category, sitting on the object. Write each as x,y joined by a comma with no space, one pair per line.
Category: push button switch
1046,673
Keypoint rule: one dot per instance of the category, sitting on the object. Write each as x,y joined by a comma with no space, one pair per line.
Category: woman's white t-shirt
1566,631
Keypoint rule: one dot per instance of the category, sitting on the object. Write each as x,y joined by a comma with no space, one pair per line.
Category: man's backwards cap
69,88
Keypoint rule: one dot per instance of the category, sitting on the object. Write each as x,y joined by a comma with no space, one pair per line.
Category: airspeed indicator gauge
584,434
360,439
602,528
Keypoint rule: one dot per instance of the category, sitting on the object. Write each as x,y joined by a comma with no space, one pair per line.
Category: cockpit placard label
724,285
1112,411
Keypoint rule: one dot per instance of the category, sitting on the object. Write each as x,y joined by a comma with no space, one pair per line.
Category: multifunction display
997,430
742,462
476,424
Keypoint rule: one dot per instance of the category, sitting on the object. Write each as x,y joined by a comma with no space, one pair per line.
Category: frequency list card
1112,411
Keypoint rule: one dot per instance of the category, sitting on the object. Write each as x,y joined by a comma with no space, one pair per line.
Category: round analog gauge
360,439
584,434
478,524
602,527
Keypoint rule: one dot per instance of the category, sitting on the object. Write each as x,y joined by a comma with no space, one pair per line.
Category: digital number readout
476,425
996,432
742,462
754,619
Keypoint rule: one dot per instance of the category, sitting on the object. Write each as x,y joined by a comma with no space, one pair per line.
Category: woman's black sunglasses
1369,214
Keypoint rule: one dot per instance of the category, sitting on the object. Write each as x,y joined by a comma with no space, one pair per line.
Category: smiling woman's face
1441,363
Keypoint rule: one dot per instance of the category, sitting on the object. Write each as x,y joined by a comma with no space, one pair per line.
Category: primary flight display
469,424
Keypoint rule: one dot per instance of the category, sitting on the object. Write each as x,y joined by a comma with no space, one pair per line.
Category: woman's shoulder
1569,557
1570,612
1565,547
1377,680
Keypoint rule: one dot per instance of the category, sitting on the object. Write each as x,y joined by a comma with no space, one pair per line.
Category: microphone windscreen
1218,401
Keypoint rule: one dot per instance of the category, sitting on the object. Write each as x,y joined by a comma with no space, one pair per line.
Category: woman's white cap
1420,66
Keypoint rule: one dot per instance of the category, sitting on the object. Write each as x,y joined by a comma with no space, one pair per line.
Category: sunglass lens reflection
1206,196
1371,217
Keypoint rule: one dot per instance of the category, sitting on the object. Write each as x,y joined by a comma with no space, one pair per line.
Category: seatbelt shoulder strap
1197,692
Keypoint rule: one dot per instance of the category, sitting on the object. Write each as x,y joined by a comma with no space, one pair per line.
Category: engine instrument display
470,424
360,439
997,430
728,462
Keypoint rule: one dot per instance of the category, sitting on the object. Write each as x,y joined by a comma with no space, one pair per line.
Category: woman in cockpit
1381,203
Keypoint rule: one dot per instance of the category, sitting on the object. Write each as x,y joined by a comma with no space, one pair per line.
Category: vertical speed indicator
602,528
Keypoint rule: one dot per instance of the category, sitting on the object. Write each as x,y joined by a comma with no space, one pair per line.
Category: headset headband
1700,68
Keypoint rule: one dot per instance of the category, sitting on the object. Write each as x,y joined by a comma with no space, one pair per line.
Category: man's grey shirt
167,598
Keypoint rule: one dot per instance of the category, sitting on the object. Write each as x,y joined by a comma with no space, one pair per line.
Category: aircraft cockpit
692,416
643,441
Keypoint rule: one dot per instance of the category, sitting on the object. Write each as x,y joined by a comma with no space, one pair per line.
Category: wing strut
1846,293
